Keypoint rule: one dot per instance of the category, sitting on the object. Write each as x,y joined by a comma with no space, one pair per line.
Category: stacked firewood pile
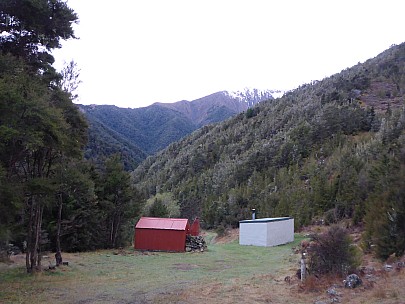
195,243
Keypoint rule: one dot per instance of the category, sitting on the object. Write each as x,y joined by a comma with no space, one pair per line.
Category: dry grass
379,293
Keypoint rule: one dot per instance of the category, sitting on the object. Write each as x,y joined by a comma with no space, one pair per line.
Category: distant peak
252,96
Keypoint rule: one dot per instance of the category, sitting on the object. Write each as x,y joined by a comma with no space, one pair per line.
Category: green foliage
119,202
162,201
10,205
104,143
250,113
46,189
386,209
81,217
158,209
32,28
38,125
135,133
330,217
99,207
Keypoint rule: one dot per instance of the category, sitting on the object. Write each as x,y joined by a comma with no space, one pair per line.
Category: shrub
330,217
158,209
220,230
332,252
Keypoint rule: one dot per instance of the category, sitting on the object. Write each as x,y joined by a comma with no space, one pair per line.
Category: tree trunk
112,232
38,238
58,254
28,263
117,224
33,254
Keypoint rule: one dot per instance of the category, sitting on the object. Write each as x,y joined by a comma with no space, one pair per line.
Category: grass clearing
226,273
105,277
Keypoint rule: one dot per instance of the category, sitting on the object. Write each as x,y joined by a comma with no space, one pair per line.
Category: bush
162,205
330,217
220,230
332,252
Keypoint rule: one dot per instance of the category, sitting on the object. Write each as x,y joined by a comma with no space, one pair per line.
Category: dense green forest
50,198
134,133
333,149
104,142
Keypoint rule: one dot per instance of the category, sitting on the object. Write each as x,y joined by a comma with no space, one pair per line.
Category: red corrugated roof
162,223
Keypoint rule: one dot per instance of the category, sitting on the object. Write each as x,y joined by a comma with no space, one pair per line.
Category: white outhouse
266,231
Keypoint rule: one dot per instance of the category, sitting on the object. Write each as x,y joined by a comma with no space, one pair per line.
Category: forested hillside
332,149
104,142
50,197
137,133
134,133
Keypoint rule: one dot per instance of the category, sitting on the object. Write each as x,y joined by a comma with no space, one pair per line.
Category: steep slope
104,142
151,128
313,152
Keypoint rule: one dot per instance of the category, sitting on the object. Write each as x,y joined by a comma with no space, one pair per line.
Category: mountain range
332,149
137,133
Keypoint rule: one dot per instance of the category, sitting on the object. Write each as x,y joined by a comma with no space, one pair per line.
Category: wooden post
303,267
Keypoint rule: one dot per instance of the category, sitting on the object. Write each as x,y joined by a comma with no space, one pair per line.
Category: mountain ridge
201,110
152,128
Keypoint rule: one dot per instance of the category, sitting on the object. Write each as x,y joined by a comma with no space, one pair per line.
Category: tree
118,200
385,217
70,79
158,209
38,126
162,201
32,28
10,205
38,122
79,222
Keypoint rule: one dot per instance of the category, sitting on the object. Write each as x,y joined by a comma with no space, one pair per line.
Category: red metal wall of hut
161,234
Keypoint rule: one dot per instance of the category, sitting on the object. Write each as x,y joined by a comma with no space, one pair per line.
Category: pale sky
133,53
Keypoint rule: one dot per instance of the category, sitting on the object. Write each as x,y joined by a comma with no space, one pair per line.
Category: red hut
161,234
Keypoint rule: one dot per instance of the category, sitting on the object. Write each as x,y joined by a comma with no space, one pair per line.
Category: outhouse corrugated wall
266,231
